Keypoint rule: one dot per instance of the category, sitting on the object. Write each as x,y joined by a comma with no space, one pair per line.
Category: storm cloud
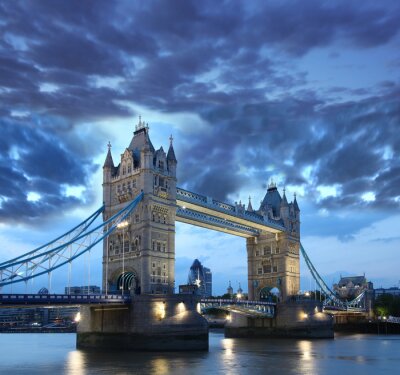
239,67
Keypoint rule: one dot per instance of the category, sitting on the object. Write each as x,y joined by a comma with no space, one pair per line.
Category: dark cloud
32,161
64,63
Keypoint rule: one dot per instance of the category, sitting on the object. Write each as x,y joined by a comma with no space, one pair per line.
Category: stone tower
139,256
273,259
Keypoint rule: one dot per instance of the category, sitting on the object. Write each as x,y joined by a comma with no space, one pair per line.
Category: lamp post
122,225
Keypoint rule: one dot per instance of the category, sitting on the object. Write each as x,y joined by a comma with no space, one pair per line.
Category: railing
63,299
204,218
216,205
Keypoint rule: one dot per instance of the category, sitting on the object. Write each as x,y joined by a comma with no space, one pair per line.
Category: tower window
129,168
124,170
158,246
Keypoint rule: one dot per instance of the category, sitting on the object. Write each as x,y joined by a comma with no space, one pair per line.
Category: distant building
202,277
229,290
87,289
351,287
394,291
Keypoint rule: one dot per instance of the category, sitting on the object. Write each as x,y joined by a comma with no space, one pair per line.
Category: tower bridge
142,203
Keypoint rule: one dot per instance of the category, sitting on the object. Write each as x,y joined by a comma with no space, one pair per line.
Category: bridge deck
62,299
207,212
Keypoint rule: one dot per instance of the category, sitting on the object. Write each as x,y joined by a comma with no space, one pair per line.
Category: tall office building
202,277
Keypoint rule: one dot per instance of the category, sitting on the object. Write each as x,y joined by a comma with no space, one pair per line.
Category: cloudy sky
304,92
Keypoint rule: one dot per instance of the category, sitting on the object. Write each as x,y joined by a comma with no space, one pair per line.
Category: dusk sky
304,92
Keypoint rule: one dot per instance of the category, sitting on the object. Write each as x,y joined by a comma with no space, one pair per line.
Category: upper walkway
197,209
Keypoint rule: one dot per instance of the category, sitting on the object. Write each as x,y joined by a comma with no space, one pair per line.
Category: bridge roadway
249,308
210,213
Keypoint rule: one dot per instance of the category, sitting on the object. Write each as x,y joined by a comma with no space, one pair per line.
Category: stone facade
140,255
273,259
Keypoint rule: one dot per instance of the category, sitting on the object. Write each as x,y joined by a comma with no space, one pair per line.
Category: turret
284,208
249,206
108,169
171,159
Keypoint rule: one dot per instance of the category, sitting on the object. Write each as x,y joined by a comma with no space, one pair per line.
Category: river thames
347,354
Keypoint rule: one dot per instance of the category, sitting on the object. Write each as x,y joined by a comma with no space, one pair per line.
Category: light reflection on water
56,354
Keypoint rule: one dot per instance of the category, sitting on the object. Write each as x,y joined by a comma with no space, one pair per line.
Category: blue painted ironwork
250,308
63,299
36,263
66,237
215,221
331,298
213,204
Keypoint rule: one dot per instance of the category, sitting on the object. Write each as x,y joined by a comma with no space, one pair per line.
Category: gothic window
133,183
129,168
137,218
160,164
159,218
163,249
165,219
257,253
153,217
275,269
277,250
158,246
123,170
154,247
267,268
123,186
259,271
155,180
164,266
267,250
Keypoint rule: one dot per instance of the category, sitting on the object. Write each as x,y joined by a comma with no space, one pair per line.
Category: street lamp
122,225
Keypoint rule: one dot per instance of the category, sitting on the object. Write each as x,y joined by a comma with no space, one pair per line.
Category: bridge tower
273,258
140,254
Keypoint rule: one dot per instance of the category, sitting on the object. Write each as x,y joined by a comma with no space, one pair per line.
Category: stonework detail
140,255
273,259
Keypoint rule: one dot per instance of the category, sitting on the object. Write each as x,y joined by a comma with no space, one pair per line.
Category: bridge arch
125,280
270,293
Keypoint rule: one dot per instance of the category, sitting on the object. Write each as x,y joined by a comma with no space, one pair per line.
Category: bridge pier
149,323
297,319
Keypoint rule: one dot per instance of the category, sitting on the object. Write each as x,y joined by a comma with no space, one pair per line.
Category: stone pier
149,323
297,319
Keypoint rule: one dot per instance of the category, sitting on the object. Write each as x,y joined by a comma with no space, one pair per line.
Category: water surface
347,354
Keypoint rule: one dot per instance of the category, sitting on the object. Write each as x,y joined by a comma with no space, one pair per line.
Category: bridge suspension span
64,249
330,297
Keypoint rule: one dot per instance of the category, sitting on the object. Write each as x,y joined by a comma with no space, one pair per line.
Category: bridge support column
300,319
150,323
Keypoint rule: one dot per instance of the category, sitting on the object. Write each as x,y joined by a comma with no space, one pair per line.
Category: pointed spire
296,206
109,163
249,206
171,153
284,202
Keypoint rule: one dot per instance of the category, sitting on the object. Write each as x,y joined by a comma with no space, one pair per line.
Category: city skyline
304,93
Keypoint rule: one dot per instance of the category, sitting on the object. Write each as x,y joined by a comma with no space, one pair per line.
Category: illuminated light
384,318
307,294
122,224
160,310
229,318
239,296
77,317
305,316
184,207
181,307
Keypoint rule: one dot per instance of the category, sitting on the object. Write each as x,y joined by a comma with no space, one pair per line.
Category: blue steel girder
189,216
36,263
234,214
